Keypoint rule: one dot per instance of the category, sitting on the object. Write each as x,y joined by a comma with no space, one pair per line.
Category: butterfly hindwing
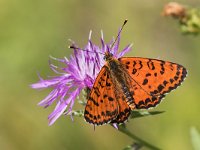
101,106
124,109
152,79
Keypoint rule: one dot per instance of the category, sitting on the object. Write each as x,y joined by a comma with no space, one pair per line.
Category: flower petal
62,105
125,50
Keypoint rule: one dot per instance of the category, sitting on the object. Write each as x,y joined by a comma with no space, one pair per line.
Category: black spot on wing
171,81
145,81
150,65
165,82
160,87
105,95
134,71
110,99
94,102
148,74
147,100
162,67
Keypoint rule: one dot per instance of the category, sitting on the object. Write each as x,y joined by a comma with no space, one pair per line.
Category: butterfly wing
152,79
124,109
101,106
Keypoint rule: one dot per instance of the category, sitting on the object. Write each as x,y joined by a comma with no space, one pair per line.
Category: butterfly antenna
74,47
125,21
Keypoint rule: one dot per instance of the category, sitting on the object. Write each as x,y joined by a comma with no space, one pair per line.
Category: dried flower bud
174,9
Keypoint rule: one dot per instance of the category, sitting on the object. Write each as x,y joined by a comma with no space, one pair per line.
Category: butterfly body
120,79
128,83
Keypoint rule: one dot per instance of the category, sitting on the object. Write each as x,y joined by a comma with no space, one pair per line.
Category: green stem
134,137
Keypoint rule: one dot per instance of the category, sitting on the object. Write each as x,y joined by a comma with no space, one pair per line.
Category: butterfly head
108,56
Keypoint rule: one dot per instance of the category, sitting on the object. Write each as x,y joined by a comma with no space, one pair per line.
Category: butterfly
129,83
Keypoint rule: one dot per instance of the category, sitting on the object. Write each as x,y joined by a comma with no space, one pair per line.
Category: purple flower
79,72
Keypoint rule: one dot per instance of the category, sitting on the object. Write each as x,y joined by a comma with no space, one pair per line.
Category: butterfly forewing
102,106
152,79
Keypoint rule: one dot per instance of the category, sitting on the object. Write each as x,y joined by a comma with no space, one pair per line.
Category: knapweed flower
79,72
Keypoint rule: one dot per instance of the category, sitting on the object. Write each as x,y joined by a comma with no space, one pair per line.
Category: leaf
134,114
195,138
138,114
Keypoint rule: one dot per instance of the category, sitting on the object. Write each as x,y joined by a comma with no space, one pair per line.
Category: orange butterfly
130,83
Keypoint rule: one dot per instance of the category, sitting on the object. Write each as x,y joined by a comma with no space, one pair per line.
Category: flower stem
124,130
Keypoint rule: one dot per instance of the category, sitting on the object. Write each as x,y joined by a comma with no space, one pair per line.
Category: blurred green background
30,31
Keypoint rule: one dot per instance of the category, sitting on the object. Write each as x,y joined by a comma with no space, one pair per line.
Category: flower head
79,72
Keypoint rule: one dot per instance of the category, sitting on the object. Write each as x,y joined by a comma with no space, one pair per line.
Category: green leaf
138,114
195,138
